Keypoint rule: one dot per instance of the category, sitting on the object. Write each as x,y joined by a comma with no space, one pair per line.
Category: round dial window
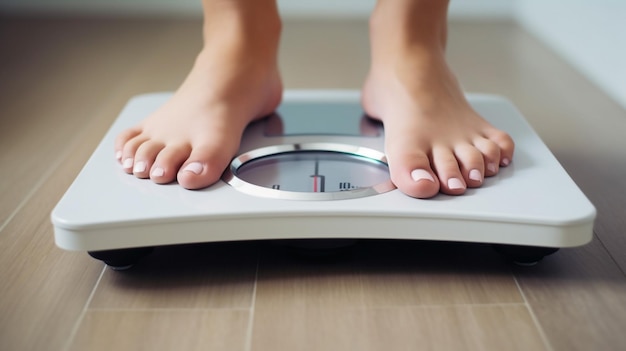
316,171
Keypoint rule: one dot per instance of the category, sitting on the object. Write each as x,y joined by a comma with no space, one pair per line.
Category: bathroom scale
315,171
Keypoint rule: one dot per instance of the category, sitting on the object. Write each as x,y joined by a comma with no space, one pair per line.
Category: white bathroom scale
316,170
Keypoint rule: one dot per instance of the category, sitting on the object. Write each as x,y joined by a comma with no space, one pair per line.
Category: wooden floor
62,82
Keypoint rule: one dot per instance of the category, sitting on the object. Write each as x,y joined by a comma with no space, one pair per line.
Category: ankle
256,19
402,24
238,35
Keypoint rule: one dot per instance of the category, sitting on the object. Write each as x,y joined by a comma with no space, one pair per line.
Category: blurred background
589,34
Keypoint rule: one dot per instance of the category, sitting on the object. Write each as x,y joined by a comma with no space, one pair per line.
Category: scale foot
524,255
121,259
121,268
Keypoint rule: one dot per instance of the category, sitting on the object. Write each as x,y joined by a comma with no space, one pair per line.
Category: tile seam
542,334
81,317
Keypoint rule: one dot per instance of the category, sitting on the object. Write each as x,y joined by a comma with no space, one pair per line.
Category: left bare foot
434,140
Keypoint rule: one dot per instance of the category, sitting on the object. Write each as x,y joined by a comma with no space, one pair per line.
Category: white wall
478,9
590,34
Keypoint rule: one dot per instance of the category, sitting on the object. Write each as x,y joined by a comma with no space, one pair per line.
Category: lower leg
233,81
435,141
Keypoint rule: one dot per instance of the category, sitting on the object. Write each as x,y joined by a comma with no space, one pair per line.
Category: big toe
412,174
203,168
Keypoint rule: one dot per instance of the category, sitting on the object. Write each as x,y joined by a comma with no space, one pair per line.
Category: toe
412,174
505,144
447,167
128,152
168,162
144,158
491,155
471,163
204,167
122,139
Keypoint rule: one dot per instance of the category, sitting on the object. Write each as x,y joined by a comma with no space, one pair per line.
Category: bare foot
434,140
234,80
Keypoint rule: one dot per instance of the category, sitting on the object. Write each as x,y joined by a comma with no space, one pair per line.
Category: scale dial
311,171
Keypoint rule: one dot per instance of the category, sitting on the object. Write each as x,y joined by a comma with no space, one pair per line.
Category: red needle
314,184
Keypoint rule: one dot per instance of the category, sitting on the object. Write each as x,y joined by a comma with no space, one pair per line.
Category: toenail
505,161
475,175
455,184
118,155
139,167
194,167
158,172
128,163
492,167
419,174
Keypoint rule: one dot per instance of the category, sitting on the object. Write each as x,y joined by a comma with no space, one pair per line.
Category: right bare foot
234,80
